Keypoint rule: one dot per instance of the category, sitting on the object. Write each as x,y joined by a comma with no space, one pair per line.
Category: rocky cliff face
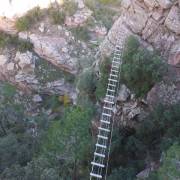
156,23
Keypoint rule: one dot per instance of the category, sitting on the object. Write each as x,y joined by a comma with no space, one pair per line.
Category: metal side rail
99,162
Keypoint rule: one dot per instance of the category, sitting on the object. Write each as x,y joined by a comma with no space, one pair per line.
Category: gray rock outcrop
157,22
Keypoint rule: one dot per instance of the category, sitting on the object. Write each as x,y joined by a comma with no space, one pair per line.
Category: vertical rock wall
156,22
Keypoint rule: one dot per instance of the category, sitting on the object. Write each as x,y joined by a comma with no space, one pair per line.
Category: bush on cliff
141,68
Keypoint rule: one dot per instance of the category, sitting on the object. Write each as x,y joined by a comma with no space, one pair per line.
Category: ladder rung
115,62
100,155
109,108
117,67
112,90
114,71
114,80
114,75
118,58
107,95
110,102
96,175
102,146
113,85
106,122
97,164
104,129
105,114
103,137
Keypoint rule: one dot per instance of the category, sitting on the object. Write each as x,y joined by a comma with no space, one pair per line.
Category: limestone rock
10,66
123,94
126,3
3,60
78,18
100,31
151,3
37,98
144,174
162,40
80,4
51,48
165,4
174,58
8,26
26,61
134,112
165,93
157,14
60,87
29,79
150,28
136,18
118,29
42,27
130,110
173,20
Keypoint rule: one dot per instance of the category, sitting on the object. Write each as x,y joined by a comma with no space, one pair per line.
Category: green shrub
122,173
57,16
4,39
170,167
141,69
156,133
69,141
31,17
47,72
101,87
91,4
23,24
70,7
105,16
20,45
24,46
87,82
102,14
8,90
108,1
81,33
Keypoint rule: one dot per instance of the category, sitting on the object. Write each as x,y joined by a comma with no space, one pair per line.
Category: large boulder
173,20
123,93
54,49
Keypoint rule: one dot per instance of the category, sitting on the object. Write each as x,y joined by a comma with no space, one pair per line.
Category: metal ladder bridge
102,146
